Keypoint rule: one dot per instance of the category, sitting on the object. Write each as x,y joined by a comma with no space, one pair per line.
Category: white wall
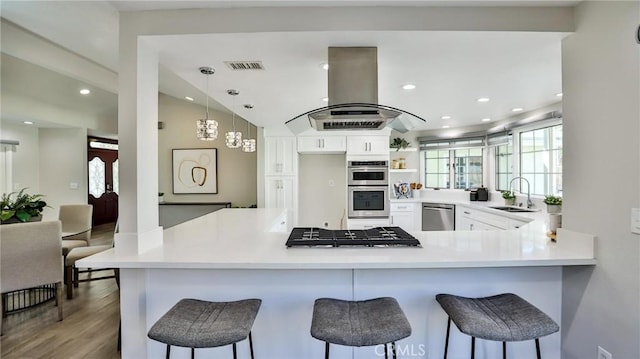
237,176
26,171
601,178
319,201
63,160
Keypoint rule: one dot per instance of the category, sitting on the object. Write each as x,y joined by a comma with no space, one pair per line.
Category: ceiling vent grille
244,65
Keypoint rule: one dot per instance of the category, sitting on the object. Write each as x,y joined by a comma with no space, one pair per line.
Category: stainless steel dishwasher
438,217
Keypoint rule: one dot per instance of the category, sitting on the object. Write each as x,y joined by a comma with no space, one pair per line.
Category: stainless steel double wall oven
368,187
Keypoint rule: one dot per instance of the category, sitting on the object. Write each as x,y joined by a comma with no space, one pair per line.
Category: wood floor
89,328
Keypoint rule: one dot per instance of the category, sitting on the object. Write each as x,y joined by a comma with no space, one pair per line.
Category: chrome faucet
529,203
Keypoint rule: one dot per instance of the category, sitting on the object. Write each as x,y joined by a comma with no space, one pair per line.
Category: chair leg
76,277
393,349
473,347
235,351
504,350
538,348
120,335
168,351
59,300
326,350
446,342
69,281
250,345
386,356
193,352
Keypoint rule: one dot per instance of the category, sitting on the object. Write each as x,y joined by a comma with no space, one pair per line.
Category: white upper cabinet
322,144
281,158
368,145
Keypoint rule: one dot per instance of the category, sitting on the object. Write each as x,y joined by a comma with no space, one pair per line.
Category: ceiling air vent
244,65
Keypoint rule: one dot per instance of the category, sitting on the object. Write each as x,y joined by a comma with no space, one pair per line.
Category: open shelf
408,149
405,170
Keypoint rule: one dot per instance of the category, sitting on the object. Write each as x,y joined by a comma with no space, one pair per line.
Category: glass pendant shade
249,145
207,129
233,139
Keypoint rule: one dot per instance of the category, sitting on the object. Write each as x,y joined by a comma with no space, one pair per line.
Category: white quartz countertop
237,238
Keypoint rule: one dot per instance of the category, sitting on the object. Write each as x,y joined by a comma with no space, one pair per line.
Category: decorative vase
554,208
509,201
160,199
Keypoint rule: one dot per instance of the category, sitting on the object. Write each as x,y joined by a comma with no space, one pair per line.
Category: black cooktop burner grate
379,236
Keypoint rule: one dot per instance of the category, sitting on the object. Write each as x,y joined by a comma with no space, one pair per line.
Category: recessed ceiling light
517,109
483,99
485,120
446,117
188,98
408,87
445,126
559,94
324,66
85,91
325,99
28,122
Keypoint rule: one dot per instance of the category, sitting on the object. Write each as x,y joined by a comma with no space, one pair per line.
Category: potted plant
554,204
509,198
399,143
160,197
23,208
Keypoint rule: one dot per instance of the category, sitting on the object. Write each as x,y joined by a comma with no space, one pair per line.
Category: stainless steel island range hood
353,97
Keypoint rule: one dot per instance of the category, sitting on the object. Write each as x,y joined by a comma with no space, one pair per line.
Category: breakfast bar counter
240,253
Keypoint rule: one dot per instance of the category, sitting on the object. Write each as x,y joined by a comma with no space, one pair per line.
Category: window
466,171
436,169
541,159
468,168
504,166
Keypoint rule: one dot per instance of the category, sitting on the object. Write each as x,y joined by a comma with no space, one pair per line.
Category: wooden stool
359,323
503,317
194,323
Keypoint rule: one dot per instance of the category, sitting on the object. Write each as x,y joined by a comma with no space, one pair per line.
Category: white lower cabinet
470,219
405,216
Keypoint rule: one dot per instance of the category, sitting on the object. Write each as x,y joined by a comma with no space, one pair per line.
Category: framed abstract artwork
195,171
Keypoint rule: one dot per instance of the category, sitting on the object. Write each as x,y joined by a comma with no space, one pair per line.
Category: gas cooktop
374,237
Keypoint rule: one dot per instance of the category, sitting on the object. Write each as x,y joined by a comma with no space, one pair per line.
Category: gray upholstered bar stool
359,323
504,317
194,323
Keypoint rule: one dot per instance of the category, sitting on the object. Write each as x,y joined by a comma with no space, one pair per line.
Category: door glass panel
114,174
96,177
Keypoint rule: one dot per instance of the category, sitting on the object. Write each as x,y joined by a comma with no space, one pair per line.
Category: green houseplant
509,198
399,143
554,203
23,207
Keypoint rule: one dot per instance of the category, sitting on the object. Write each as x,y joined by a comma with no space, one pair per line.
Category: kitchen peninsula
240,253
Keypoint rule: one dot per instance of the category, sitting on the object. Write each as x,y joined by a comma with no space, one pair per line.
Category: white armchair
30,256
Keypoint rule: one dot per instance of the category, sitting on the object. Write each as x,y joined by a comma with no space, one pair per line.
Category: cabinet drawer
403,207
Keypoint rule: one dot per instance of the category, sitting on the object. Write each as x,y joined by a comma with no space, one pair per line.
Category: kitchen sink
513,209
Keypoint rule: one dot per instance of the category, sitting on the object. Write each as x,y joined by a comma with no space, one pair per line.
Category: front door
103,181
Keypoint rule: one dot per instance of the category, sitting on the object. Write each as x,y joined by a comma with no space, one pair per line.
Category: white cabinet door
322,144
281,156
404,220
280,192
368,145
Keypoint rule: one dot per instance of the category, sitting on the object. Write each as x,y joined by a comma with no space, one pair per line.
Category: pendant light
233,139
206,128
248,144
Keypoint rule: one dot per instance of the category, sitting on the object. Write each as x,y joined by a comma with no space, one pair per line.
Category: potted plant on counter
399,143
554,204
509,198
160,197
23,208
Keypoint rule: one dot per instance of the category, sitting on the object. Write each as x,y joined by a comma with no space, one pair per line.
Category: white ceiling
450,69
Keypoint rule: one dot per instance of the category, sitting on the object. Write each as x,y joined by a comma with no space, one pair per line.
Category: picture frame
195,170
